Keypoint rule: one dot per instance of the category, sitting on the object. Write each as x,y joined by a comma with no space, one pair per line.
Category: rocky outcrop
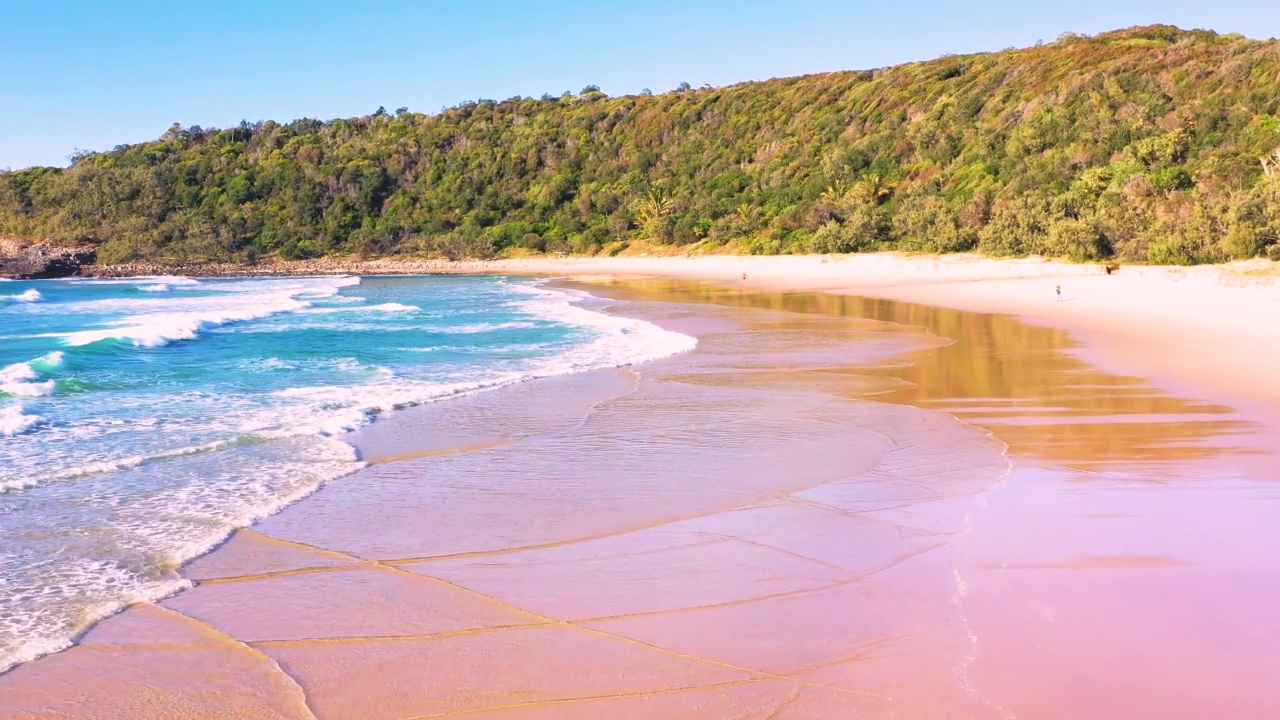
38,261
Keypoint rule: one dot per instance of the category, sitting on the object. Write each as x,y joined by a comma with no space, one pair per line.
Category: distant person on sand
1058,290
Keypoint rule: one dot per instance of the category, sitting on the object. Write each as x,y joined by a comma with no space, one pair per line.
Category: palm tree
651,209
834,192
654,205
873,189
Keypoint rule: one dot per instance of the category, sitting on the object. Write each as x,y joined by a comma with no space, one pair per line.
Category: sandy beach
1140,320
880,487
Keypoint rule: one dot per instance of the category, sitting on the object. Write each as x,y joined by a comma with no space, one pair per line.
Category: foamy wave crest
126,463
154,329
383,307
157,329
484,327
14,422
337,409
309,286
53,599
28,296
17,379
163,284
268,364
27,389
39,638
139,279
621,341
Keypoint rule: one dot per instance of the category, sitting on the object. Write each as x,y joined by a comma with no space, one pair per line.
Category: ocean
143,420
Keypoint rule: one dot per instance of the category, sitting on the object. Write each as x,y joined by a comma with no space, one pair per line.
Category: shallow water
142,420
1126,567
832,508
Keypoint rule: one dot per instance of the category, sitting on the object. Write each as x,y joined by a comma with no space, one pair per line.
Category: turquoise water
142,420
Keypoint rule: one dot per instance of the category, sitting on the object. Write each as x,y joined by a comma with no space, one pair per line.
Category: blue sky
91,74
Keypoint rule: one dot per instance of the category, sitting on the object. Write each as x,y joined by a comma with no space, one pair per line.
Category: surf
155,422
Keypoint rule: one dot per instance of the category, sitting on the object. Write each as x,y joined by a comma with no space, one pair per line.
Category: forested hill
1147,144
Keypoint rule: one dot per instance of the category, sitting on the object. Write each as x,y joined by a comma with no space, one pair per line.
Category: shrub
1172,178
1080,240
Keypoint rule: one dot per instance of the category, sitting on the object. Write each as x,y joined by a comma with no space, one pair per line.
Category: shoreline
274,589
1202,331
348,436
1139,320
284,548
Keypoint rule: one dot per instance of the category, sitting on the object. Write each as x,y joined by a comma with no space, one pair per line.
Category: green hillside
1148,144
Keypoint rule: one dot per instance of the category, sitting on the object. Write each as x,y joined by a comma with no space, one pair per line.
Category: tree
872,189
744,217
1146,144
834,193
652,211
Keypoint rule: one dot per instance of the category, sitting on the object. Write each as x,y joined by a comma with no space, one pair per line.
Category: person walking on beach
1058,291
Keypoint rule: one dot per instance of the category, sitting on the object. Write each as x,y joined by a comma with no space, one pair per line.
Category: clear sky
93,74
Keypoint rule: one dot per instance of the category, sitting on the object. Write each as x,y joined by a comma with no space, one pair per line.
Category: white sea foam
125,463
37,637
27,389
160,328
104,587
53,599
317,286
474,328
138,280
383,307
339,409
163,321
268,364
283,449
14,422
163,283
17,379
27,296
621,341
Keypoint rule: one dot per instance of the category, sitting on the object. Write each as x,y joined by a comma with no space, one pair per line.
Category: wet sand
1205,330
828,510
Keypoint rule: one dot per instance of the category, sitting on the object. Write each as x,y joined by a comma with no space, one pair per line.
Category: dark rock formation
40,260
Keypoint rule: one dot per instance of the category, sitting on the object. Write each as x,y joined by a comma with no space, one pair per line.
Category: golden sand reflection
1125,567
835,507
1021,381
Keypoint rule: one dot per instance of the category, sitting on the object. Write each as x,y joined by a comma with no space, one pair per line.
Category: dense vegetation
1149,144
